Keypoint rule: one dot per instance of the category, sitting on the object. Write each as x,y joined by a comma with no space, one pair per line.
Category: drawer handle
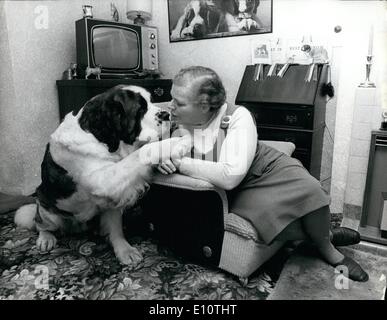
381,145
207,251
158,91
291,119
293,140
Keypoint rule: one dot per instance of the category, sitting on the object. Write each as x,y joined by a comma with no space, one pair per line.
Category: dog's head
245,7
201,18
123,113
114,116
155,122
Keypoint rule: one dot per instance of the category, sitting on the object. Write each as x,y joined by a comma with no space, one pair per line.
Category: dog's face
245,7
123,113
201,18
114,116
155,122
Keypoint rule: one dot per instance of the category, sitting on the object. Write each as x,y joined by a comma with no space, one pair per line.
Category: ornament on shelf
114,12
368,83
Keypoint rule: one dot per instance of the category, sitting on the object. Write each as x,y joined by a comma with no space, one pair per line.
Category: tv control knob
152,36
207,251
153,46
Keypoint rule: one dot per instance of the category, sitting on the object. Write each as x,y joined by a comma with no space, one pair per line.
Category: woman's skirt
276,191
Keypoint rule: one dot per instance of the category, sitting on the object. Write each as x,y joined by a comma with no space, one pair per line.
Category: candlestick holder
367,83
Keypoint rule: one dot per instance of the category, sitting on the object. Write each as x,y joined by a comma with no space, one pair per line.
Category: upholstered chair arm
185,182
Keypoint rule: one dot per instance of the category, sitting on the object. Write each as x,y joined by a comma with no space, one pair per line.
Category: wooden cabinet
289,109
74,93
373,224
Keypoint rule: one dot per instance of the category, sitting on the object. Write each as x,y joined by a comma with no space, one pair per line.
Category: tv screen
116,48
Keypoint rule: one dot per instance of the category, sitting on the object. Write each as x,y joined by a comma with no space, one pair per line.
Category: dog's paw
127,254
252,25
46,241
175,35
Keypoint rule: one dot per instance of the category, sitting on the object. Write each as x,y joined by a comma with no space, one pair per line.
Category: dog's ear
114,116
189,17
256,5
133,103
212,19
102,119
134,106
235,4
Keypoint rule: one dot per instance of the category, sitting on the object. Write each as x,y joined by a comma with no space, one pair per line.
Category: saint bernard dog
245,14
96,164
204,17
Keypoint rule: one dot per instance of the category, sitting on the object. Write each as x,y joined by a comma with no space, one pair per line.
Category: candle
370,40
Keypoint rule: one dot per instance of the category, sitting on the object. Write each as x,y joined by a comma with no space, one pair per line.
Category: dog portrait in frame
205,19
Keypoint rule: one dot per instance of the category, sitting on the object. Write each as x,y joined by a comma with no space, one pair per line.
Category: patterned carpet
85,267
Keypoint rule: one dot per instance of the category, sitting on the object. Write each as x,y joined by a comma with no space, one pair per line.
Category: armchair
191,217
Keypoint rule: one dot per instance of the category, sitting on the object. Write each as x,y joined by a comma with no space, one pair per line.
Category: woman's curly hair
210,88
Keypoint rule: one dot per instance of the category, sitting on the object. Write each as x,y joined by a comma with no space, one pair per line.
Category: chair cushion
236,224
283,146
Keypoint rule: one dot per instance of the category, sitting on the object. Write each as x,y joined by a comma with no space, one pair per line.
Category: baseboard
352,211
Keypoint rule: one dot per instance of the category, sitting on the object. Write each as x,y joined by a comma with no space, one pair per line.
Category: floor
10,203
305,277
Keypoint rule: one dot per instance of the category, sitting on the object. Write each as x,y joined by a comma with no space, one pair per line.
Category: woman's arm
236,154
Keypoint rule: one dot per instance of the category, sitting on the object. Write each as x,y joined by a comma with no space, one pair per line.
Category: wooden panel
289,109
74,93
375,193
284,116
291,89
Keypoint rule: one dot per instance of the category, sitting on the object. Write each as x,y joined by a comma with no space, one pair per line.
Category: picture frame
261,52
206,19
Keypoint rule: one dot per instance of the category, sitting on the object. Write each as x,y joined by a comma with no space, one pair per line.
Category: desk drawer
298,117
73,94
159,92
302,139
303,156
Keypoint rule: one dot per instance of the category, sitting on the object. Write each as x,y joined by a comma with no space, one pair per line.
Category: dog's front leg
46,241
176,33
252,24
231,23
111,225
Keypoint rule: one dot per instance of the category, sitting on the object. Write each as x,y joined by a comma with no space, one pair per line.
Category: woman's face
184,107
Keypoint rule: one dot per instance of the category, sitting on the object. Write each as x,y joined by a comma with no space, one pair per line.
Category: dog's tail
25,216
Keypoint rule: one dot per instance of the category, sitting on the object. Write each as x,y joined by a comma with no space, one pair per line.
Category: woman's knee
293,231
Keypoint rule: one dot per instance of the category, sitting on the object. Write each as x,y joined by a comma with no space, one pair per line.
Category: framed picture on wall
206,19
261,52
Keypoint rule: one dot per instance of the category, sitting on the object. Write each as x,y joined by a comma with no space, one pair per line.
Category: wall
358,110
294,19
367,107
32,59
9,151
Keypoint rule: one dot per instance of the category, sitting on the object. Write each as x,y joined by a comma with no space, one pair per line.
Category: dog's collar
245,15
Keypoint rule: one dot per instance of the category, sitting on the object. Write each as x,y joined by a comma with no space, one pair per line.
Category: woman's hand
167,167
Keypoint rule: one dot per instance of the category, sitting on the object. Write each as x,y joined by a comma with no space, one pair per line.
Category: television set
121,50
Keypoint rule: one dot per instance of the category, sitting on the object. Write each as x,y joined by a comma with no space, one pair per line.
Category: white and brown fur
203,17
243,15
200,18
92,167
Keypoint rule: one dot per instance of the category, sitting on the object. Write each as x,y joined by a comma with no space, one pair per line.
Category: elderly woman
270,189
